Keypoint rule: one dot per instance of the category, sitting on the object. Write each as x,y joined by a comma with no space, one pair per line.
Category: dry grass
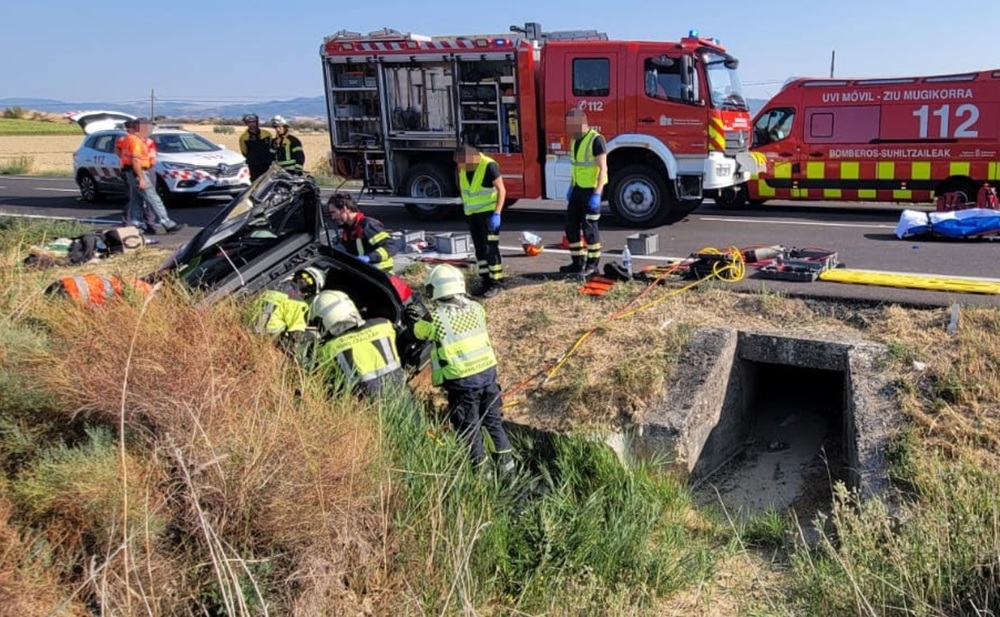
54,153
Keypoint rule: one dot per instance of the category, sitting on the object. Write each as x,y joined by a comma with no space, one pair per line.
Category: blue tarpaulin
956,224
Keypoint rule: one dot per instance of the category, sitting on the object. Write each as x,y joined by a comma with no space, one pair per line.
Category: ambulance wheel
428,180
731,198
88,187
640,197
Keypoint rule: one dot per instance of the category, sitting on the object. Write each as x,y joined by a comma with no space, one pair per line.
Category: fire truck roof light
694,33
500,42
716,41
482,43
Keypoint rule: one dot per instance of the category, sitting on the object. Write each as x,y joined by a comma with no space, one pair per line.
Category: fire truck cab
673,114
900,139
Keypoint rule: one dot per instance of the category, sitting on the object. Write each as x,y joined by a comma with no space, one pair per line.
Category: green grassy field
9,126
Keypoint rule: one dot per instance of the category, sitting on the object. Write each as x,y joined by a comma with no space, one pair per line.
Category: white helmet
279,121
444,281
336,312
314,278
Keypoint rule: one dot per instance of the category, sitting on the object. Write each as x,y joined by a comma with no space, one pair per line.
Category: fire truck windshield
724,82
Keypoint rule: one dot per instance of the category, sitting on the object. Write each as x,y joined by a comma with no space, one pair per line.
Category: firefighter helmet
279,121
311,280
335,312
250,118
444,281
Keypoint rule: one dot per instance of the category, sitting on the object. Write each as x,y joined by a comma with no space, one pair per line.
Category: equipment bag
123,239
987,198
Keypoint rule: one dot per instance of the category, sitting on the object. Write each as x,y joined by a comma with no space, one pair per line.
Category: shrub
17,166
223,129
14,113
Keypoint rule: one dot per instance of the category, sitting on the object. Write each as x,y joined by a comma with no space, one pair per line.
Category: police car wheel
165,195
88,187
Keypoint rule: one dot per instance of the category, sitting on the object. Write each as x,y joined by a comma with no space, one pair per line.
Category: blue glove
494,222
364,258
569,192
594,205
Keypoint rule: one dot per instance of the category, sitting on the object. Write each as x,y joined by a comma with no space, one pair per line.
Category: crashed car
187,164
275,228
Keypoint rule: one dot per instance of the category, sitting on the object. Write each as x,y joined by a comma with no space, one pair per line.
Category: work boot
590,267
575,267
177,227
492,289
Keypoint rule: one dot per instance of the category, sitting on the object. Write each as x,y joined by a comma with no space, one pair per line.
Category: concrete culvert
764,421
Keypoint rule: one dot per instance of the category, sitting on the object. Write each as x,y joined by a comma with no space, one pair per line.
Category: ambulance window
663,82
772,126
591,77
821,126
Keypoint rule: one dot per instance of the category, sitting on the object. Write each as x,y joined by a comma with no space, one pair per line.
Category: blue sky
252,50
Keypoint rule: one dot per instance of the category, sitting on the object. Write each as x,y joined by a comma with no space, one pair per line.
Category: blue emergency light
693,34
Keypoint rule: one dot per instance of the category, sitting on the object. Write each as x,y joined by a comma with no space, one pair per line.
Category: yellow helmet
311,280
336,312
444,281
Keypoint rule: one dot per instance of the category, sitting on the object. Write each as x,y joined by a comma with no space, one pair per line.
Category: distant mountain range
301,108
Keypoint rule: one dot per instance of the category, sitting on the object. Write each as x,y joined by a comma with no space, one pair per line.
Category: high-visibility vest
277,313
462,345
134,148
586,172
285,153
362,354
476,197
151,148
94,289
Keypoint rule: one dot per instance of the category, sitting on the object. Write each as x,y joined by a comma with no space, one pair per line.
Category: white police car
187,164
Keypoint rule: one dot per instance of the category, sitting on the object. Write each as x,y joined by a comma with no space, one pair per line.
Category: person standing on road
464,364
287,148
132,126
483,195
255,145
137,163
361,236
589,161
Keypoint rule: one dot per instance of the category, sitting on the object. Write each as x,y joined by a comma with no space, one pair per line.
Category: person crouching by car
356,353
362,236
283,312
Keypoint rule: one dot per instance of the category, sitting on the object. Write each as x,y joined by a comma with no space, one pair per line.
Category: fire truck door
660,106
775,138
595,87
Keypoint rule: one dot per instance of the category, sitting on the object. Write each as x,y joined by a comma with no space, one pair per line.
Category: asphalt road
861,235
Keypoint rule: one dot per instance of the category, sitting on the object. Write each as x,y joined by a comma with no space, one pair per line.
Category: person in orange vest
136,165
93,290
147,213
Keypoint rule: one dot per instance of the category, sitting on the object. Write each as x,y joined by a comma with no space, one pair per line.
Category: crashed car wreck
275,228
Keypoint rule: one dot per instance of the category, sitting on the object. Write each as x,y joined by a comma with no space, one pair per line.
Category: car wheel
640,196
88,187
430,180
166,196
732,198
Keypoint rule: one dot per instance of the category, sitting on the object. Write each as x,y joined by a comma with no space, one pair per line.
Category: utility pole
833,61
152,105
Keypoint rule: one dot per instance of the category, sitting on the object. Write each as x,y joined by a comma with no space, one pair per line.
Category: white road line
723,219
566,252
63,218
3,187
39,188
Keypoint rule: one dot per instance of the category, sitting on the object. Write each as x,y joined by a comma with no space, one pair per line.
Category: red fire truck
898,139
674,115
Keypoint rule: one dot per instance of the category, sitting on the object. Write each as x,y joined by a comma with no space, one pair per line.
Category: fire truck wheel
430,180
640,196
88,187
963,185
731,198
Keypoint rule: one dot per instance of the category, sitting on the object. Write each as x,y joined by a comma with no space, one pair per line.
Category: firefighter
362,236
358,353
483,195
589,161
283,312
136,164
464,364
286,148
255,145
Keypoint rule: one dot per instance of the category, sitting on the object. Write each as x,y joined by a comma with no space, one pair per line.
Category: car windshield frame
724,86
186,140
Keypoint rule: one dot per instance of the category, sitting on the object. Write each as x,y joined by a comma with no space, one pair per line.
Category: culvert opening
793,448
